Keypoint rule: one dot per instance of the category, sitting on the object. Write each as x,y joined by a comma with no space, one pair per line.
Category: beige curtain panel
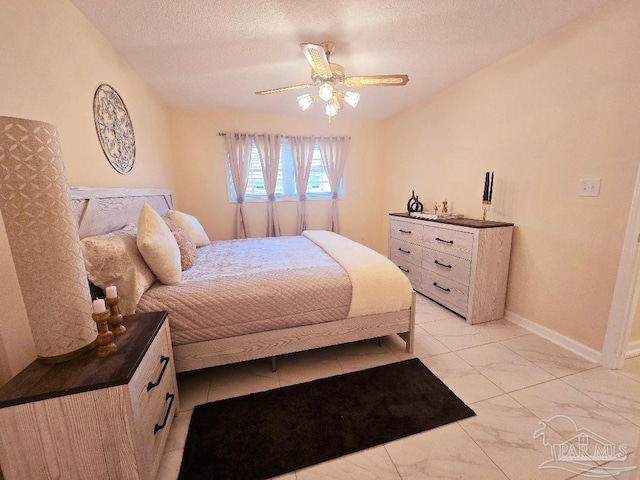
269,151
334,155
238,147
302,150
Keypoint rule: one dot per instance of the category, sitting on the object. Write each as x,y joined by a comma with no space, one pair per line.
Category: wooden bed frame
103,210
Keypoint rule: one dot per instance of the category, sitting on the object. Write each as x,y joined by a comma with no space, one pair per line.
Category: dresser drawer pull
405,270
450,242
165,361
156,427
441,264
403,250
435,284
405,231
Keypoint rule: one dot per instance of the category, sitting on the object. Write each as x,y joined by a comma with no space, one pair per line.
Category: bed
243,299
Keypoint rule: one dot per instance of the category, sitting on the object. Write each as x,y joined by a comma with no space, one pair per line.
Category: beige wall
52,61
635,327
201,186
565,108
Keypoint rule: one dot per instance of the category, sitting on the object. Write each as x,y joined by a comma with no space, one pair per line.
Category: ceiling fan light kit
352,98
325,92
333,105
305,100
326,76
331,110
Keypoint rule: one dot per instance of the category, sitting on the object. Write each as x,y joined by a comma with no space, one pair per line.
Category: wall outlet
589,187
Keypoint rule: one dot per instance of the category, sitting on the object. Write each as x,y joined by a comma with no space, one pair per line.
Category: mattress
238,287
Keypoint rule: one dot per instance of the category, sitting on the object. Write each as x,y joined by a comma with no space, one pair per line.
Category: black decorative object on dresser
93,417
487,194
414,205
461,263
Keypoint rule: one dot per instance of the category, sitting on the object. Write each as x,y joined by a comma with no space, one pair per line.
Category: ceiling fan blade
377,81
317,58
285,89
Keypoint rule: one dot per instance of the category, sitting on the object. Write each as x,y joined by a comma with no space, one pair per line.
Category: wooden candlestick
105,337
115,317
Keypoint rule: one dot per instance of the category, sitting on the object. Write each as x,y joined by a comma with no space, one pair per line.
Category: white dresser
90,417
463,264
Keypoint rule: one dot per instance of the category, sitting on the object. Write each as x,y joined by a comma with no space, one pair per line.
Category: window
318,186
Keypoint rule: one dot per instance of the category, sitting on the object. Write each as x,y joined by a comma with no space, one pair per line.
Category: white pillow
191,225
158,246
114,259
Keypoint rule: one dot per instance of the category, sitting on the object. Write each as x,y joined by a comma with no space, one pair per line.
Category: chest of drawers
463,264
102,418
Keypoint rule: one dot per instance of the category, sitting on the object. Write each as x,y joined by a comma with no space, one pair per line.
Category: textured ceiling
215,54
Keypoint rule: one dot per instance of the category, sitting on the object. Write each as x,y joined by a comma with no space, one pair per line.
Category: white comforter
378,285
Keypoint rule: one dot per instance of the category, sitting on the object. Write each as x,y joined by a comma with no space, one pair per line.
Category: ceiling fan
326,76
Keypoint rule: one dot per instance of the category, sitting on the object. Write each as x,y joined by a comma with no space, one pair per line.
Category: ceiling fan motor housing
329,47
337,74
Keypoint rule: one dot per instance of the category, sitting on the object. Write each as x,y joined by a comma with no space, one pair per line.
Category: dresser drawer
155,426
408,232
453,242
411,270
446,291
451,267
152,374
154,398
404,250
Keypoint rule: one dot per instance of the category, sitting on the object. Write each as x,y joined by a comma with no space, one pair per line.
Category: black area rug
270,433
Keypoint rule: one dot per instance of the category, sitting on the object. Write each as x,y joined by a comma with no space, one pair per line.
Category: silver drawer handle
165,361
156,427
404,251
441,264
450,242
435,284
403,269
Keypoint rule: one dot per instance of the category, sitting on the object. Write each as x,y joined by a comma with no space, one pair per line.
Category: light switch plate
589,187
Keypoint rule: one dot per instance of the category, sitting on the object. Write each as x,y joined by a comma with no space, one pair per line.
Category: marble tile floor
510,377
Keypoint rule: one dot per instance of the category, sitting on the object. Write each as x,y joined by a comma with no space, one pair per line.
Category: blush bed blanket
239,287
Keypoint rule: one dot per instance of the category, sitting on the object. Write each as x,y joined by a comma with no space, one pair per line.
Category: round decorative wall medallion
114,128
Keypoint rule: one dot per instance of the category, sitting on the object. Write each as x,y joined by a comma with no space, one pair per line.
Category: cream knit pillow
114,259
186,245
158,246
191,225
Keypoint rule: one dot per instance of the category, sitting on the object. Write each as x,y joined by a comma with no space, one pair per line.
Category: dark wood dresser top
40,381
462,222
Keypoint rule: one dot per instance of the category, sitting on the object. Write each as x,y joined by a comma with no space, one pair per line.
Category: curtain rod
222,134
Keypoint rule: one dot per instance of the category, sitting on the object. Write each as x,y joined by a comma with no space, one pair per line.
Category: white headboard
103,210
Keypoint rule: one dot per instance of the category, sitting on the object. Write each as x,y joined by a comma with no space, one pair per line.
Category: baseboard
563,341
633,349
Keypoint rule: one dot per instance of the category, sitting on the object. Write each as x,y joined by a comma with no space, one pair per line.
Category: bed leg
274,364
412,325
379,341
409,337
